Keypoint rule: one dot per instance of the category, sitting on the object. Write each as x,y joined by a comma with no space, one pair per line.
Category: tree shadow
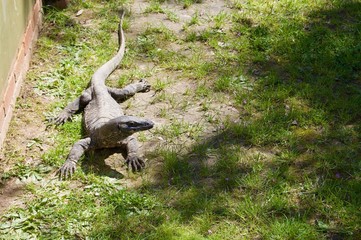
323,62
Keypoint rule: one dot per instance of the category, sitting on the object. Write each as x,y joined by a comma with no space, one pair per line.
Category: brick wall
19,68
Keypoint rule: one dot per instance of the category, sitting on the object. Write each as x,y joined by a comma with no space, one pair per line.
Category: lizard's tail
99,77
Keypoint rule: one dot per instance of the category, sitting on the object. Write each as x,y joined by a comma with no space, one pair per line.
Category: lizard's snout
148,124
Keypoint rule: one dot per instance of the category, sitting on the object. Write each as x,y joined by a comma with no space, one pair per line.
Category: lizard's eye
131,124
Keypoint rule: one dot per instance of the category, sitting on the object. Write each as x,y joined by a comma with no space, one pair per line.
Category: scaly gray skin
105,124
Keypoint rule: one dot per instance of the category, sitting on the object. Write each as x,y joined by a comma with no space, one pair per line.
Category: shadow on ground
296,169
104,162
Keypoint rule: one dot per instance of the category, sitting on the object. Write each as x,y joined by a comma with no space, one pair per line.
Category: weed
154,7
220,19
163,113
191,36
160,97
202,90
159,85
206,105
194,20
188,3
172,16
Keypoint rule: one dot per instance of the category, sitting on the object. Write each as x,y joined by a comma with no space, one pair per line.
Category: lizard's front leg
128,91
74,107
133,161
76,152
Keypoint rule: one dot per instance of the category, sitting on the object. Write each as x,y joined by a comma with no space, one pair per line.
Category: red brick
36,12
2,116
9,95
28,36
18,66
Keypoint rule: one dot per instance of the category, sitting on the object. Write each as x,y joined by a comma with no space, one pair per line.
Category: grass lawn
257,107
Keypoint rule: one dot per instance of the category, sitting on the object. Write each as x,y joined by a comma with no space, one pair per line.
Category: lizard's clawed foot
62,118
66,171
135,163
145,85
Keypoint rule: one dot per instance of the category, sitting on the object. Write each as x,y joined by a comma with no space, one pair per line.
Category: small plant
146,44
163,112
220,19
160,97
205,106
191,36
161,33
202,91
194,20
142,137
188,3
237,4
154,7
159,85
172,16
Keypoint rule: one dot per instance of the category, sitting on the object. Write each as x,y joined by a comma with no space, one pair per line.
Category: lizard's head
130,124
119,128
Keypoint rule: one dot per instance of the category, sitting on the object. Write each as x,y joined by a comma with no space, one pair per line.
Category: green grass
154,7
288,168
172,16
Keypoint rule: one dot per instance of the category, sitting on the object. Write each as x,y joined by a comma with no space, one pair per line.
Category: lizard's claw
62,118
66,171
135,163
145,85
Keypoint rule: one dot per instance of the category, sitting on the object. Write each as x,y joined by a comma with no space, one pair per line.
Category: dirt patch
26,141
10,194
